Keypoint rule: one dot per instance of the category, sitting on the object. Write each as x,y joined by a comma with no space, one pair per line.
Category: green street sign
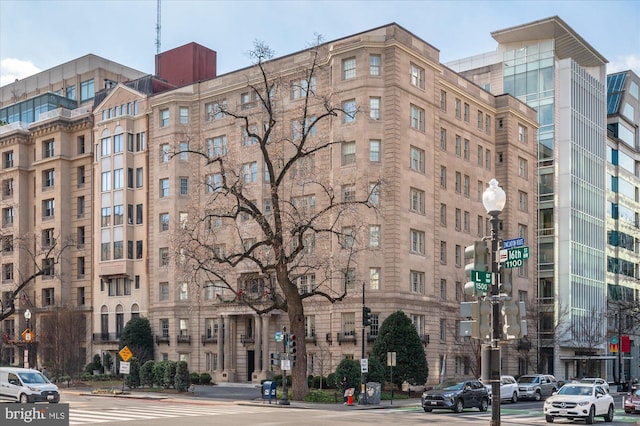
481,287
516,257
481,277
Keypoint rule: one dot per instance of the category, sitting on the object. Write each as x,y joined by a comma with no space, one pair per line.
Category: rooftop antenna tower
158,21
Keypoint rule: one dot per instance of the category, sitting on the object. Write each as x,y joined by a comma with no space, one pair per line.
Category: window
139,249
164,222
480,120
443,139
458,219
183,292
349,110
164,256
118,179
184,220
47,237
465,149
349,279
184,151
348,153
7,216
347,237
130,180
217,146
7,188
80,236
247,100
48,297
443,252
443,330
215,110
348,324
300,88
417,118
374,194
487,124
348,193
7,244
480,156
443,289
118,249
7,272
466,219
374,108
184,185
118,143
48,267
417,159
163,292
48,148
48,178
523,201
138,214
374,64
458,108
348,68
458,146
48,208
417,241
443,215
374,151
164,117
522,168
374,235
522,133
443,100
250,140
466,112
7,159
250,172
458,255
86,90
487,159
416,200
374,278
443,177
465,185
417,76
105,146
164,188
105,216
417,282
118,214
141,141
139,177
164,153
71,92
184,115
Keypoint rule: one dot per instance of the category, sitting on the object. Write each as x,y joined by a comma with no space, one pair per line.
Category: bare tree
256,244
62,333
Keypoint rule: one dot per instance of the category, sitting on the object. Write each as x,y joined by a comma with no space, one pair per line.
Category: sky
36,35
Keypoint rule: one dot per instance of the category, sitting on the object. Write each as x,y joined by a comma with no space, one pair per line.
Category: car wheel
484,404
514,398
427,409
549,419
609,416
589,419
628,411
537,396
459,406
24,398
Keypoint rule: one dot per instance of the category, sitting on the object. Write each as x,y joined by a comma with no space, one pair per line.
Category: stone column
220,347
257,333
266,367
228,362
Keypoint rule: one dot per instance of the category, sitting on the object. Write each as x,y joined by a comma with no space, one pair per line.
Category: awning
592,357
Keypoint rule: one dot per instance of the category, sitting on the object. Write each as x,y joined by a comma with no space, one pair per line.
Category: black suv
456,395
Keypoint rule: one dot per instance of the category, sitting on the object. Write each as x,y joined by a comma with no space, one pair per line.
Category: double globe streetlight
494,199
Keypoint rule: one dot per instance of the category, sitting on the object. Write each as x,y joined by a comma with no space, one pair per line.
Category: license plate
434,403
563,412
49,397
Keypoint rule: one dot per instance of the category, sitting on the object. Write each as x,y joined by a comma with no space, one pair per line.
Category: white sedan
508,389
579,401
596,381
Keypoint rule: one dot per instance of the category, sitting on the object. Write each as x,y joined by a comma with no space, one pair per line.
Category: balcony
346,338
208,339
329,339
371,337
245,339
162,339
106,337
424,339
183,338
311,339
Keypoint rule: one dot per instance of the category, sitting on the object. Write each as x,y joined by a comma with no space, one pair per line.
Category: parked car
596,381
26,386
508,389
632,402
579,401
536,386
456,395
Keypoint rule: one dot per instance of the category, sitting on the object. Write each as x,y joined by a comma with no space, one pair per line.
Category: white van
25,385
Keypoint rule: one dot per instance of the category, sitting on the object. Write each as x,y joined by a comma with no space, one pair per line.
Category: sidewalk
384,404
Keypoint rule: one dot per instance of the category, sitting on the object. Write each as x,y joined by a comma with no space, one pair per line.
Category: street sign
516,257
481,287
483,277
364,365
391,359
279,336
125,367
285,364
28,335
125,353
515,242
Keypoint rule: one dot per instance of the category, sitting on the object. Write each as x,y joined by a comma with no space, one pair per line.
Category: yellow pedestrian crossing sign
125,354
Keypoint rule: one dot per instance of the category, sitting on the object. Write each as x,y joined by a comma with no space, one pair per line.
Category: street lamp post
27,317
494,200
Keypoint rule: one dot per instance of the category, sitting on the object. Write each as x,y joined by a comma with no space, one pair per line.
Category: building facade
550,67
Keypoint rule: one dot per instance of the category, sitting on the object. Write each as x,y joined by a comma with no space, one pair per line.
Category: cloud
12,69
624,63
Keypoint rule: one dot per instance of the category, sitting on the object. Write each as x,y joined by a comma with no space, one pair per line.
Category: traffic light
292,349
514,324
275,358
478,254
479,326
366,316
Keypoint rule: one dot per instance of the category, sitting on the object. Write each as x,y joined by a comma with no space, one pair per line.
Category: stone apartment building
433,138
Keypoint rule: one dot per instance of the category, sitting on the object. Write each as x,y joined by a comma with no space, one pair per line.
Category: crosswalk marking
83,416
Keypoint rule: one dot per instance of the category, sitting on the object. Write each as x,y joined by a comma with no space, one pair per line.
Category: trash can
373,392
269,390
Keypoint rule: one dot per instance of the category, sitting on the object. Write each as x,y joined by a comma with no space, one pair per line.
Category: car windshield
32,378
575,390
450,385
529,379
637,393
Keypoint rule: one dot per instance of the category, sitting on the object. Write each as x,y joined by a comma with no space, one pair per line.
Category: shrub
194,378
315,383
96,364
333,381
169,378
205,378
181,378
133,378
159,373
146,373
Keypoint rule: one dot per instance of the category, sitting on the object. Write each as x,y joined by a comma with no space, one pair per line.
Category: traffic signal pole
285,391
